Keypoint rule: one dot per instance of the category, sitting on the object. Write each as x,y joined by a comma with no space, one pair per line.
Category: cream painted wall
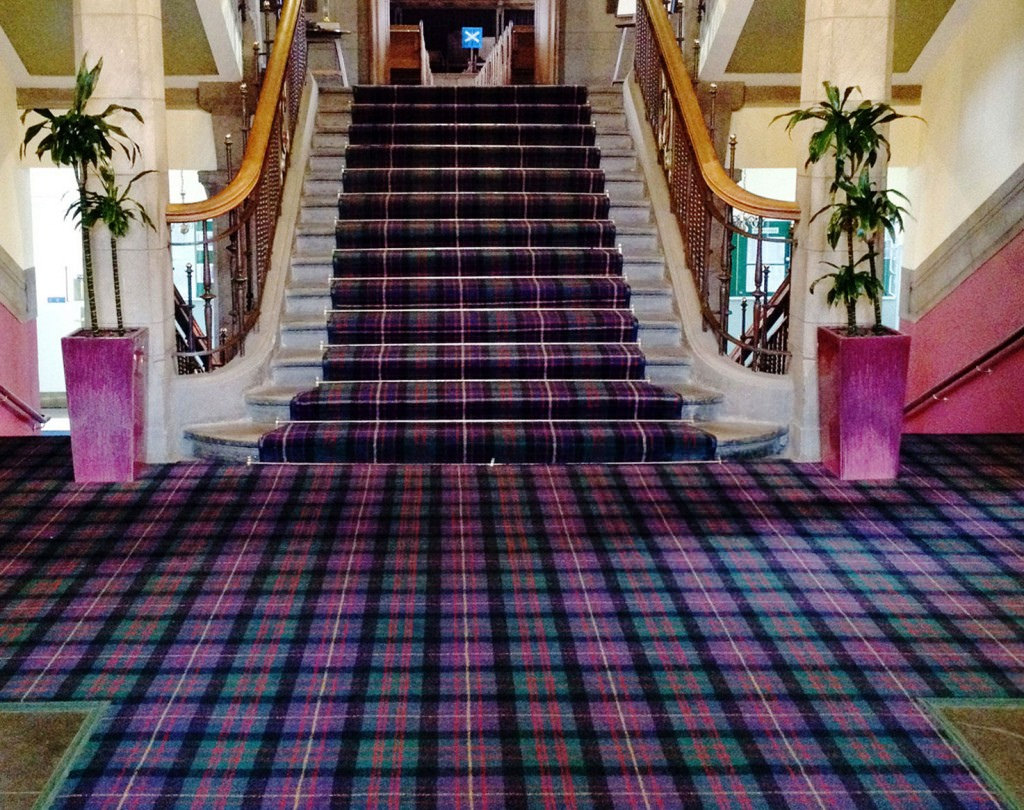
190,141
592,42
762,144
15,224
973,102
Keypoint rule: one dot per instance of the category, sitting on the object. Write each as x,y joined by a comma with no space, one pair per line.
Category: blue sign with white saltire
472,37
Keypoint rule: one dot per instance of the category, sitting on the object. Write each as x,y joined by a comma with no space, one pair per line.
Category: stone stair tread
650,287
271,394
660,355
238,433
299,357
694,393
303,322
739,439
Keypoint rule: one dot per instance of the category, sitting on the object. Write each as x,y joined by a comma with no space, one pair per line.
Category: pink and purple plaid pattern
667,636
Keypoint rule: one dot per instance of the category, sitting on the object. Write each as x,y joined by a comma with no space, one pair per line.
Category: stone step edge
239,440
282,394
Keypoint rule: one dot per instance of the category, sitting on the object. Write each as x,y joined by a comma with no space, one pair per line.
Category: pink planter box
862,385
106,380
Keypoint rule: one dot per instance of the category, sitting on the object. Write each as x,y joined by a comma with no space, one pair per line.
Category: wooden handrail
8,397
932,394
715,175
241,186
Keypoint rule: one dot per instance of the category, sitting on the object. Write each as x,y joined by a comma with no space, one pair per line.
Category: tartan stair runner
478,310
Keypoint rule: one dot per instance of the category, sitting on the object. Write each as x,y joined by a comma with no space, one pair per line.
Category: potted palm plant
862,371
104,368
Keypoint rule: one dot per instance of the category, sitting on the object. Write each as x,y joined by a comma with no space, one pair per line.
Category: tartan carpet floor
723,635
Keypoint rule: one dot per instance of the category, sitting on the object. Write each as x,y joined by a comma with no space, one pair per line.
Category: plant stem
117,284
851,304
90,290
877,298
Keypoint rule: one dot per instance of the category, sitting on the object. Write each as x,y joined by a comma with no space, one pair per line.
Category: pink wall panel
981,312
19,371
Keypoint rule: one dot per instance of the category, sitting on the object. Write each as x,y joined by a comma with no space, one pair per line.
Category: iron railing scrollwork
712,211
238,223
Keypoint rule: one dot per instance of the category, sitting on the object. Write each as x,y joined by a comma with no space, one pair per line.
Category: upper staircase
496,272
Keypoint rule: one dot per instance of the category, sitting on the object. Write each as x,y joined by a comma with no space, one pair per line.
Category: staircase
474,315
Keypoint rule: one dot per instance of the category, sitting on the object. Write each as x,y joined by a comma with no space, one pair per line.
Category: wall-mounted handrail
1014,342
713,212
237,225
20,407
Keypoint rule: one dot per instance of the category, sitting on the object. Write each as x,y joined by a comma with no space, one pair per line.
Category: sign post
472,40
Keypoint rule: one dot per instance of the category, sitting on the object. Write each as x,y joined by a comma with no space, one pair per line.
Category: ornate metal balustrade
244,214
712,211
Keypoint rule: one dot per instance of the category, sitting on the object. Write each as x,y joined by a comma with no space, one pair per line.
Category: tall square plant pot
106,382
862,385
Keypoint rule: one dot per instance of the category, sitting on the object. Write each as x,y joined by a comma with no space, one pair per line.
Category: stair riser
667,373
268,412
447,369
476,443
305,273
217,451
630,214
330,102
660,305
333,121
610,140
298,338
618,163
643,272
476,206
327,165
487,262
319,244
316,305
659,335
303,305
303,376
609,120
336,140
303,338
618,190
505,115
643,243
625,190
490,135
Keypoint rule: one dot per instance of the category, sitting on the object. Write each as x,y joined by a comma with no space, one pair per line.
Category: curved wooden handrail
715,175
242,184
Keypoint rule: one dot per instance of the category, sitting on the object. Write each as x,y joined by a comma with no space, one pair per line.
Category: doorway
547,16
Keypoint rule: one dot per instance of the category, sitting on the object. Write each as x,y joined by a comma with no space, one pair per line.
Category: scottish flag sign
472,37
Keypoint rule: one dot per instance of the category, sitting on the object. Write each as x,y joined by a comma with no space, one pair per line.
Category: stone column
849,43
127,34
